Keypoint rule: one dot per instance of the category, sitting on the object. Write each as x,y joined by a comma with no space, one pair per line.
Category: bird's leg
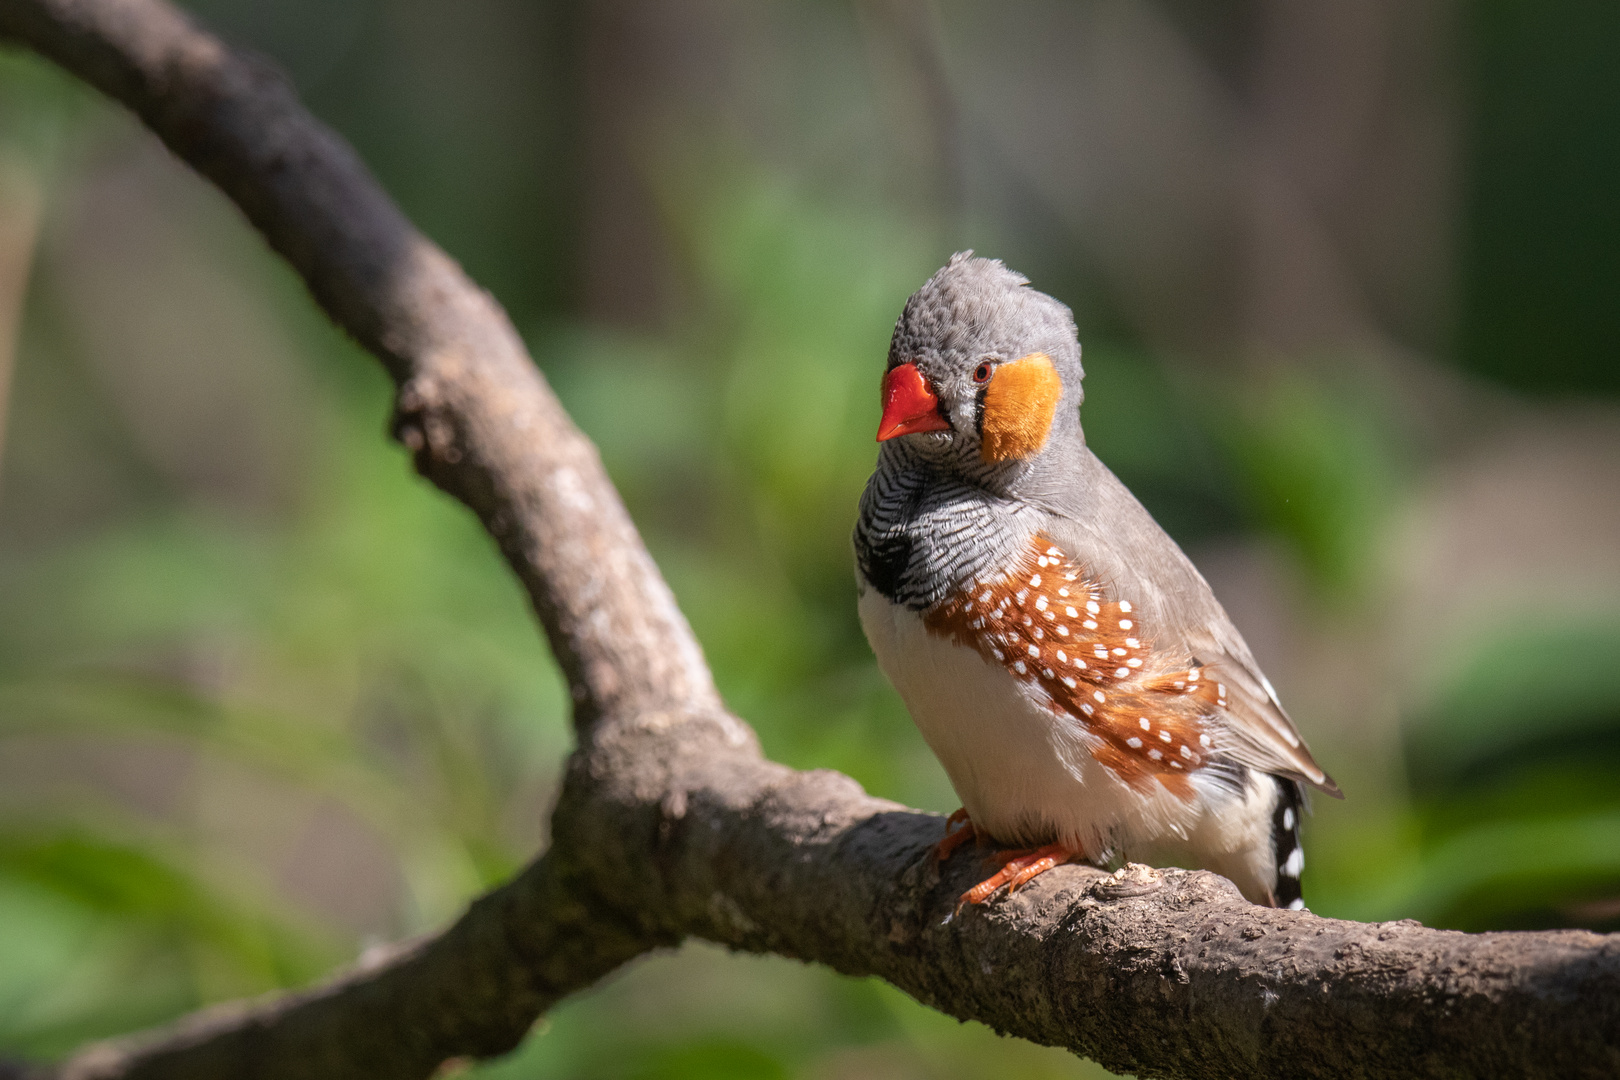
954,839
1018,868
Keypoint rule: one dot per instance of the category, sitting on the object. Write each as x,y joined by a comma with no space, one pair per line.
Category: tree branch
472,991
670,822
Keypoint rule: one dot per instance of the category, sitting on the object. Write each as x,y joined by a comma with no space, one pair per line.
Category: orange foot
1018,868
953,840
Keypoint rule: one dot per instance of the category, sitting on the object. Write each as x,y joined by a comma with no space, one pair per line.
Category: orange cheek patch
1019,405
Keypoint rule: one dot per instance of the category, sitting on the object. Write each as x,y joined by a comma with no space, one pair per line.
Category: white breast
1024,772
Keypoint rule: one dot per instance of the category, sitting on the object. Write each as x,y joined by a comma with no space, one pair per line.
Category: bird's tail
1289,854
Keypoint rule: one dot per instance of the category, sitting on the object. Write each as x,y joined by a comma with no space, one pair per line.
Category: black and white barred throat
926,531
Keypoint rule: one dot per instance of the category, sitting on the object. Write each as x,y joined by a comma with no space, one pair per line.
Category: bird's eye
982,372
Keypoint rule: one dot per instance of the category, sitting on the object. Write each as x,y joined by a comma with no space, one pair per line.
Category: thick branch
670,823
1162,973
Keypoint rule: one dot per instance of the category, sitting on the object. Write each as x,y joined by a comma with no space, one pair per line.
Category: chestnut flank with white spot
1141,684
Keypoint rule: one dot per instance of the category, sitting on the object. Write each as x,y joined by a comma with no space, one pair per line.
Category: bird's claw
1018,868
954,839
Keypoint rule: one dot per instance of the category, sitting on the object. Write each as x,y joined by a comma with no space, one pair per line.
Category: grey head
984,374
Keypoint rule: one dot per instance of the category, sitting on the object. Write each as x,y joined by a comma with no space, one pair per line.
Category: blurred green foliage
1315,460
241,742
1542,232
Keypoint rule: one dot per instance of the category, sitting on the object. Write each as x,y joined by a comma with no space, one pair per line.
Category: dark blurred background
1348,281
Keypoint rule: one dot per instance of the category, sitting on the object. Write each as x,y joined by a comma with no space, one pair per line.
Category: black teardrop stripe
884,561
1285,838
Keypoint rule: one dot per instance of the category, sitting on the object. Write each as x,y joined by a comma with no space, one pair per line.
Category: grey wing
1102,526
1260,732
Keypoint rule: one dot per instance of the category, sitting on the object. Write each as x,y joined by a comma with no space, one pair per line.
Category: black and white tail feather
1289,853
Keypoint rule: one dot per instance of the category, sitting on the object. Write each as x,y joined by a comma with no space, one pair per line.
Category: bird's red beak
908,404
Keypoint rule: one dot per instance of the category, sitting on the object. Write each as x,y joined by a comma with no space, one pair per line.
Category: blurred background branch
1345,278
20,207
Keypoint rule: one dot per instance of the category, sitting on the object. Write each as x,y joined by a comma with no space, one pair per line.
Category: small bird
1068,665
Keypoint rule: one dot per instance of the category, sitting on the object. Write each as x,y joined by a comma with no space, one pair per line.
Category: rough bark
670,822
